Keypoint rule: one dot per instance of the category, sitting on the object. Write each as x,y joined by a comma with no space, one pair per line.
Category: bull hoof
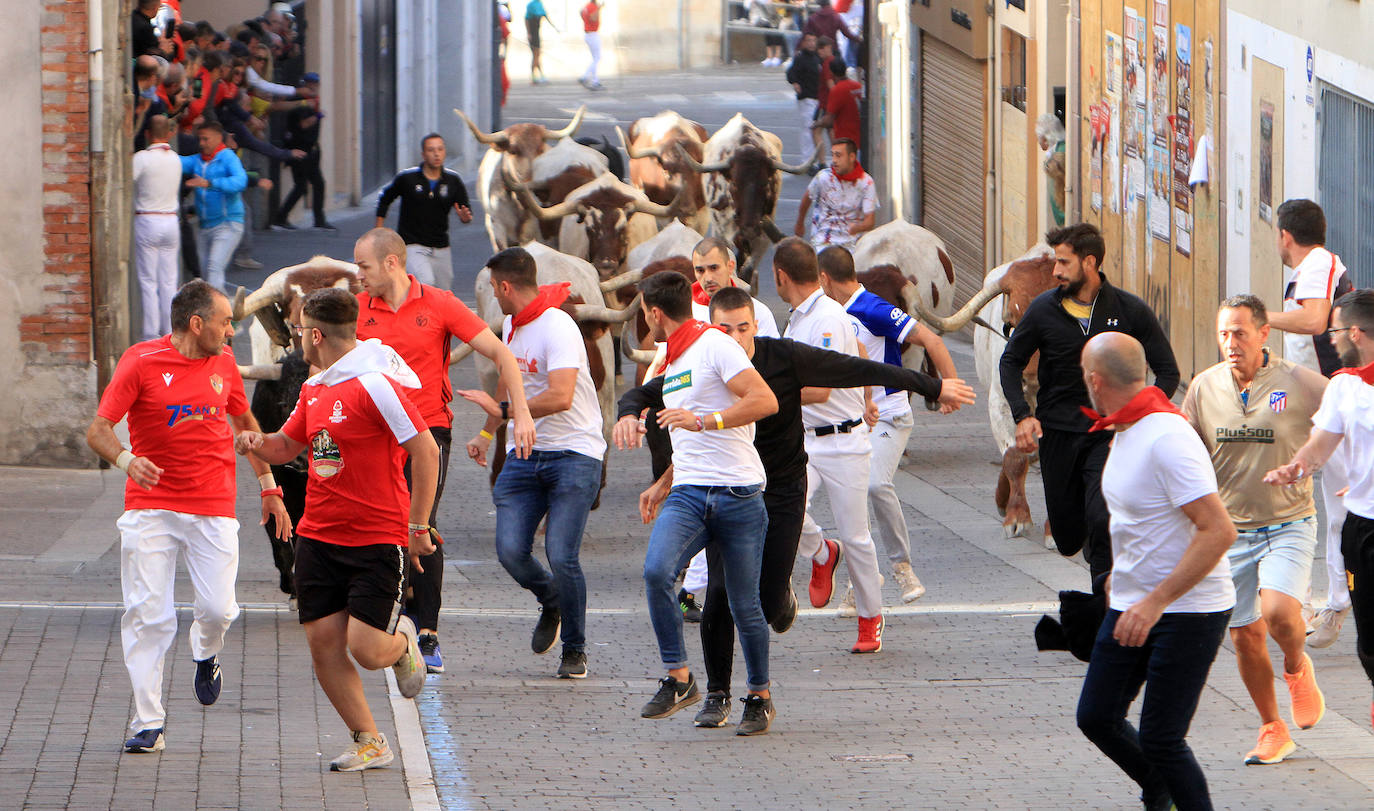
1015,529
1049,542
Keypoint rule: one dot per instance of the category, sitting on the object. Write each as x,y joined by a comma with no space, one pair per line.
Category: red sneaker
870,635
823,575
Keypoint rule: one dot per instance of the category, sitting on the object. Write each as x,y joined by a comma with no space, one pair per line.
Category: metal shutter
1345,181
953,173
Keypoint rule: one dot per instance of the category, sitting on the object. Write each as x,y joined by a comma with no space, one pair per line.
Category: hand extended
955,393
628,431
1287,474
247,441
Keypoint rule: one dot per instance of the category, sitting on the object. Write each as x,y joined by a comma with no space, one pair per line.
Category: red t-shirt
843,104
591,18
355,494
422,333
177,411
827,81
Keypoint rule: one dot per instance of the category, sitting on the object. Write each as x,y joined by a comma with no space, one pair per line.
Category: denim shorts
1278,558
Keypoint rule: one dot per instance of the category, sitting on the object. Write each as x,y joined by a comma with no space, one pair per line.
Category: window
1345,180
1013,79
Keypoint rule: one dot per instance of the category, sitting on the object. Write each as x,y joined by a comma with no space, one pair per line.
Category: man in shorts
1254,411
352,541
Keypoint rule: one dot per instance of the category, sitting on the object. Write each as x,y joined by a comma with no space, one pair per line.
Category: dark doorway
379,92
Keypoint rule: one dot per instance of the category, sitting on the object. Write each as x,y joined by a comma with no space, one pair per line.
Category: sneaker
324,226
367,752
823,575
672,696
687,601
870,635
208,680
574,665
847,608
715,712
546,630
1307,704
147,740
247,263
1326,628
784,621
282,225
596,86
758,715
908,582
1274,745
410,668
429,649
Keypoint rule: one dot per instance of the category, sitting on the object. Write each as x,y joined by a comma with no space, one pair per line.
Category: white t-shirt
1155,467
553,341
696,381
821,322
768,326
1315,277
1348,408
157,179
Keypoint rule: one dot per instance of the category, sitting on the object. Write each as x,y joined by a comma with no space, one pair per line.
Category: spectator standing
219,180
146,81
144,36
804,74
763,15
157,238
845,200
826,22
591,26
841,114
427,193
303,133
1049,133
534,15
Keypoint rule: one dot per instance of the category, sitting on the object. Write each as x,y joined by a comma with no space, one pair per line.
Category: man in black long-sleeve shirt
1057,324
787,367
427,193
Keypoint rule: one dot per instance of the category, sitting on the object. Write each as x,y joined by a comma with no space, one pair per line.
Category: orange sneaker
823,575
1308,706
870,635
1274,745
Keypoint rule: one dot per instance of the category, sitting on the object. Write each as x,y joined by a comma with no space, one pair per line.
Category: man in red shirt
591,26
840,112
359,518
420,323
182,393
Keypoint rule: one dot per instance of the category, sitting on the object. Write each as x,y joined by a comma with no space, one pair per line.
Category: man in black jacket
1057,324
428,192
804,74
787,367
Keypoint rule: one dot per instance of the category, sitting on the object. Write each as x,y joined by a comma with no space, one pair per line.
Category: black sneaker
758,715
574,665
715,712
433,655
672,696
687,601
783,622
208,680
147,740
282,225
546,631
324,226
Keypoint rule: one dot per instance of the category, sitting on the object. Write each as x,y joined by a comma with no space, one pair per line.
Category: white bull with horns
277,302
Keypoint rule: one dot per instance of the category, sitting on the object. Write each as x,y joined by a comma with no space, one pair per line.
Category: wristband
720,421
267,482
271,491
124,459
419,529
701,426
485,434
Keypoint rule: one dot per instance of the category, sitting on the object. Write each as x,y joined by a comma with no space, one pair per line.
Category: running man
427,193
420,321
184,399
1169,593
885,332
845,199
359,520
1253,412
561,477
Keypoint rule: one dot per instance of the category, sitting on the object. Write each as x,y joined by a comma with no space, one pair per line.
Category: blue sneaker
208,680
148,740
434,658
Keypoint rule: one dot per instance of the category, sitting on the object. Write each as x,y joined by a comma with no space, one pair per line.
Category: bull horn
459,354
490,139
802,168
261,371
625,279
600,312
647,206
551,214
558,135
647,152
643,357
697,166
960,319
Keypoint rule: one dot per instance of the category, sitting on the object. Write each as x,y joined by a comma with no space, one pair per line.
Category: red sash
1149,400
549,297
684,337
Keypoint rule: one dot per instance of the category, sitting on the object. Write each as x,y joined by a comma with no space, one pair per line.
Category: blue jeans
735,521
562,485
1172,665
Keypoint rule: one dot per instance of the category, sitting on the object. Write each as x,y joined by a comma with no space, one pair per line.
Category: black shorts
532,30
368,581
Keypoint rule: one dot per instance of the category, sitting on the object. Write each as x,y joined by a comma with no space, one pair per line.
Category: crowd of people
230,107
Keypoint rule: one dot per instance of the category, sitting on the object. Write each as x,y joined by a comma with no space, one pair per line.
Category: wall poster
1266,161
1183,139
1161,139
1112,91
1133,121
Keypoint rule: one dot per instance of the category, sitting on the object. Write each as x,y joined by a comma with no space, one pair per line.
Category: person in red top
591,27
840,112
352,541
420,323
184,398
215,87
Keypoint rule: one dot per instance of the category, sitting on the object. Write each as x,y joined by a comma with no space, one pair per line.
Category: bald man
1169,592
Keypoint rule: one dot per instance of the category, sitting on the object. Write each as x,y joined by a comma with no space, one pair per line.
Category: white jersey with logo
697,381
821,322
1315,277
553,341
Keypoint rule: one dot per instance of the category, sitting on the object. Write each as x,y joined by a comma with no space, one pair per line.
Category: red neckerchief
1365,373
700,296
684,337
549,297
211,156
855,175
1149,400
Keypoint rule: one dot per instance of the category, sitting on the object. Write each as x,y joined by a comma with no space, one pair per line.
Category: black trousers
305,172
425,598
1071,468
786,506
292,482
1357,545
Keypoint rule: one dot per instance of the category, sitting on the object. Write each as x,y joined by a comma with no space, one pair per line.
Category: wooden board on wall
1181,308
1134,234
1090,84
1156,291
1109,218
1266,193
1207,268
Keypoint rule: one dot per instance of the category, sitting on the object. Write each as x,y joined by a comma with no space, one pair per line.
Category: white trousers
157,246
216,247
594,46
431,266
841,463
149,543
888,439
806,111
694,581
1334,477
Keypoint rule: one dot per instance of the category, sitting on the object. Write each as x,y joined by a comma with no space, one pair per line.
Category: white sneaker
366,752
410,668
847,607
908,582
1326,628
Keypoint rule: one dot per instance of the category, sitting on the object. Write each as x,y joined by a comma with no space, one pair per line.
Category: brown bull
657,168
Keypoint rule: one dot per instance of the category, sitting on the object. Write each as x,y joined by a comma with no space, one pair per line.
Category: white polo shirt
697,381
553,341
1348,408
1316,277
821,322
768,326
